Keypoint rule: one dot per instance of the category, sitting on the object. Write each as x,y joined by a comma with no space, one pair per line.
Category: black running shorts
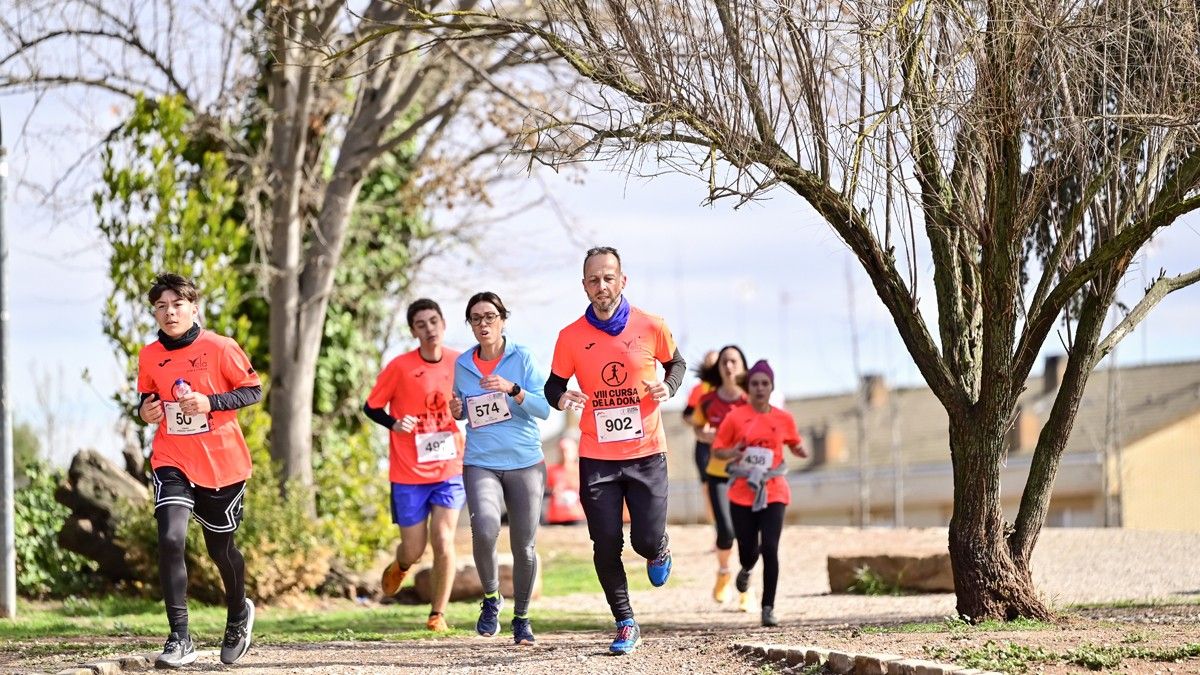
217,510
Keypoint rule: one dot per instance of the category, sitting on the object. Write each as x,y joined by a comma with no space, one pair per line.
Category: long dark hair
712,374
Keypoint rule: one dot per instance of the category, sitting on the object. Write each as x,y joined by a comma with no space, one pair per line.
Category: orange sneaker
437,623
393,577
723,589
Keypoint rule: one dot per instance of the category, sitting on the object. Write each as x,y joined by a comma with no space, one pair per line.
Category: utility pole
860,408
8,550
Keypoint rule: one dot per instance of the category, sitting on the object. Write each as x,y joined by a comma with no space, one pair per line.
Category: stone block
467,585
923,571
815,656
874,664
839,662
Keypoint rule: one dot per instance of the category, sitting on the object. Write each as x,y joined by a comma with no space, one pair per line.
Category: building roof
1147,398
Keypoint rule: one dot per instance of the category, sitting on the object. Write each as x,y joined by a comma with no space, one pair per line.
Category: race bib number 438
180,424
436,447
758,458
618,424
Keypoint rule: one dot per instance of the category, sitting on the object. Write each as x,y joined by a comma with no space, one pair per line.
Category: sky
770,277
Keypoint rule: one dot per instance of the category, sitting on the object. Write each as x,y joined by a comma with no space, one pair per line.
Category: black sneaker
178,651
743,580
237,637
768,616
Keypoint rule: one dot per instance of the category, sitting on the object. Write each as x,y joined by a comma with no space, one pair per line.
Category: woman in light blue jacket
498,390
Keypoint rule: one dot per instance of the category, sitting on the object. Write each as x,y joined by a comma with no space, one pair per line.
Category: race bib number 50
618,424
436,447
180,424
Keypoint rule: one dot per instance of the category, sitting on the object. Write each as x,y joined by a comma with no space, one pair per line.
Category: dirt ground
685,631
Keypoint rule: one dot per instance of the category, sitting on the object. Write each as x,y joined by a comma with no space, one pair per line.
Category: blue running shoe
629,636
488,624
659,569
522,631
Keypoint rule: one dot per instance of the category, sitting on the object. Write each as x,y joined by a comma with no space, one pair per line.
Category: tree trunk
990,582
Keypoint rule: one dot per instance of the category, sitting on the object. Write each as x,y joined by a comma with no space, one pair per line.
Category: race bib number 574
618,424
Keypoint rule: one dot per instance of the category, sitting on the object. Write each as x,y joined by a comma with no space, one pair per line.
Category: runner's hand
456,407
151,410
496,383
657,390
706,434
195,403
406,424
573,399
799,451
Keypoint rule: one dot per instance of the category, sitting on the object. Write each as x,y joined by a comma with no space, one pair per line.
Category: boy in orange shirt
613,352
414,399
192,382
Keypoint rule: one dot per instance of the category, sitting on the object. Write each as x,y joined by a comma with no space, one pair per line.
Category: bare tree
335,87
1022,151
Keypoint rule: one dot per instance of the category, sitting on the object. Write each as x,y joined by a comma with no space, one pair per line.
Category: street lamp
8,551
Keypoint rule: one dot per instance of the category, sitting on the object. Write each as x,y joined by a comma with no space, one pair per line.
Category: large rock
926,571
467,585
93,491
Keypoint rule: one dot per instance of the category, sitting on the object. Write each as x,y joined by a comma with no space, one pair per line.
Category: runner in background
412,399
754,435
192,382
499,387
700,389
563,506
724,376
613,352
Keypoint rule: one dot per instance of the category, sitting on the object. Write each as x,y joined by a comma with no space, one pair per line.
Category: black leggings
718,497
172,567
758,533
606,486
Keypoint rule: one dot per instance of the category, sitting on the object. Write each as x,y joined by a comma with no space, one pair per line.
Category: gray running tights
521,491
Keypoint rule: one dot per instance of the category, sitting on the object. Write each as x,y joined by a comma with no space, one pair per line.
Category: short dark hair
421,305
602,250
486,296
169,281
712,374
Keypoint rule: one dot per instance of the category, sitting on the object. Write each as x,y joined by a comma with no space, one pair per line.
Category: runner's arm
379,416
676,368
238,398
555,387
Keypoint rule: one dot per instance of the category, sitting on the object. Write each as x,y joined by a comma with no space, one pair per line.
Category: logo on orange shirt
199,362
614,374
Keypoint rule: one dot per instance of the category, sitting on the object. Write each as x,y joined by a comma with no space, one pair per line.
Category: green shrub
353,494
868,582
44,569
280,542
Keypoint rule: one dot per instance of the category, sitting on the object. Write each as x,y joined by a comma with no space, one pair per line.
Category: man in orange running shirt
613,351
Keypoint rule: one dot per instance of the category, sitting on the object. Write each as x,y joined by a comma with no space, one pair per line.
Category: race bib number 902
180,424
618,424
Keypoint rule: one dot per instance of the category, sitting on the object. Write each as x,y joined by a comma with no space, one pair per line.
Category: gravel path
686,632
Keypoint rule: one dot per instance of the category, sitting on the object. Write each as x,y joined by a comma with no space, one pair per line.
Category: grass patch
868,582
567,574
1146,603
956,625
1013,658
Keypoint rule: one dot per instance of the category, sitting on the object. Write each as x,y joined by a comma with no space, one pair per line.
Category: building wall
1160,479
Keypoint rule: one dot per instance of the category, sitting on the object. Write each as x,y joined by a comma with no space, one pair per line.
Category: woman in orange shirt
753,436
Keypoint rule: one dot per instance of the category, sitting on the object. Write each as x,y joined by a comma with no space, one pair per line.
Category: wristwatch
515,390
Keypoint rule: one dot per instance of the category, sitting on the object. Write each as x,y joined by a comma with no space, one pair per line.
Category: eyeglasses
480,319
